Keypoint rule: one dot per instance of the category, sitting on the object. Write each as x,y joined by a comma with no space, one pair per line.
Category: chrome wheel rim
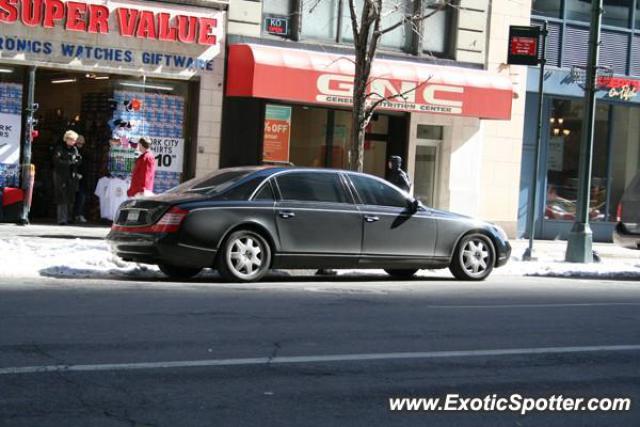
475,257
245,256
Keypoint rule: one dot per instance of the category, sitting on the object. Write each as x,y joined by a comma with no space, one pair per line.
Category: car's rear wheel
474,258
245,257
402,274
181,273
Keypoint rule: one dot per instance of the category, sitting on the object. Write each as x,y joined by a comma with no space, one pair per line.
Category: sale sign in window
277,133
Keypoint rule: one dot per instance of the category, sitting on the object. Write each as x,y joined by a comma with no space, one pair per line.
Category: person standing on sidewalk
66,160
83,186
396,175
144,171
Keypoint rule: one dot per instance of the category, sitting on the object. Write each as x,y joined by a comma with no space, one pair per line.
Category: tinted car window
243,190
265,193
215,183
312,187
375,192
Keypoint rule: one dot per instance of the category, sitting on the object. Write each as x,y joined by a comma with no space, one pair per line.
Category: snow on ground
90,258
32,257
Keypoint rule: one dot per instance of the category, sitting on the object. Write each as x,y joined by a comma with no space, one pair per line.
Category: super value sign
169,153
100,18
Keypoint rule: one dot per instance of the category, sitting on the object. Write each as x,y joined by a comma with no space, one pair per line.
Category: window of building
616,13
578,10
377,193
319,19
312,187
549,8
563,152
331,20
435,29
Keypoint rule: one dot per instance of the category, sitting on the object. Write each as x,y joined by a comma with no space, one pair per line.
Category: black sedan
245,221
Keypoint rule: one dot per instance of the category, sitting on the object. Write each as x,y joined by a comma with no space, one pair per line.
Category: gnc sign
319,78
99,18
401,95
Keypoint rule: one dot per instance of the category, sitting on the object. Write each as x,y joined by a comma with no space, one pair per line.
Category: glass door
426,165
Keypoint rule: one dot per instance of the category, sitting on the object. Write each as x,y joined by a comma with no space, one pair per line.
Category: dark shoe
63,223
326,272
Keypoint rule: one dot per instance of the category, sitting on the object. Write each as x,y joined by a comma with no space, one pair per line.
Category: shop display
10,128
159,118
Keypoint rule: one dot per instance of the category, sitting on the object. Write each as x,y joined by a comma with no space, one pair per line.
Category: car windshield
214,183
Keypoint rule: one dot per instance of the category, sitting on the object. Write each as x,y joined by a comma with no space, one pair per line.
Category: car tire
180,273
245,257
401,274
474,258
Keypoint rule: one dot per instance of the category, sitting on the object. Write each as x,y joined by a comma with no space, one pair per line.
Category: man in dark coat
396,175
66,160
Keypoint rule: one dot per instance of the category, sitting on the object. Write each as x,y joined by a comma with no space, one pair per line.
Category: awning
320,78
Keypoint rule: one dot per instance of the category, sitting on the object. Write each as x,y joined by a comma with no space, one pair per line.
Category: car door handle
370,218
286,214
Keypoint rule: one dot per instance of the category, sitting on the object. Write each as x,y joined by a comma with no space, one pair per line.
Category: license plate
133,216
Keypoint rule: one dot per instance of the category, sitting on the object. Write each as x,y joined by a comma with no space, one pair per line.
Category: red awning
321,78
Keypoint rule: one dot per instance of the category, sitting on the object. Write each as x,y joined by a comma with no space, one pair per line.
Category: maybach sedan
245,221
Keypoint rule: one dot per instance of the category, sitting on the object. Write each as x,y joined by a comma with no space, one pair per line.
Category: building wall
245,18
210,117
502,140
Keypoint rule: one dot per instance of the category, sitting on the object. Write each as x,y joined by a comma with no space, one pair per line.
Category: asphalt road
99,353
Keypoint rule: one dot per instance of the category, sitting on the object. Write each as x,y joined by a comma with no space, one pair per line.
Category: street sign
524,45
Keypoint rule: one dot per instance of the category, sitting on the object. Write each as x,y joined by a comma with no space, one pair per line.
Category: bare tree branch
413,19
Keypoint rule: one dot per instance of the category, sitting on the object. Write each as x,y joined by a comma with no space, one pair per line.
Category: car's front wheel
180,273
474,258
401,274
245,257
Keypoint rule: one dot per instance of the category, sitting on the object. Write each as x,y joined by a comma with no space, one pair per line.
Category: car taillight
170,221
619,212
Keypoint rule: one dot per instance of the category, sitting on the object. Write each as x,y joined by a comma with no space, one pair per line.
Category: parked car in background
627,230
244,221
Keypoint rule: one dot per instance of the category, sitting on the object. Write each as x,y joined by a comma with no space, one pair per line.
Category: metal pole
580,242
533,194
27,170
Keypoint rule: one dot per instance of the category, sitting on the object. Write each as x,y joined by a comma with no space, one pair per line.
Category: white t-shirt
117,194
102,192
112,192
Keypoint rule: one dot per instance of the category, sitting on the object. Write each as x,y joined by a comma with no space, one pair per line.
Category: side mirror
414,205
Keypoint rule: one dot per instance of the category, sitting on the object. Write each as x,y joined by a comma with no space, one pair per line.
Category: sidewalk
80,251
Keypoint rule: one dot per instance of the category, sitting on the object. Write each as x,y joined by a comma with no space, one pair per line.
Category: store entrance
111,113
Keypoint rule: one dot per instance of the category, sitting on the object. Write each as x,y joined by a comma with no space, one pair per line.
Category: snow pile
32,257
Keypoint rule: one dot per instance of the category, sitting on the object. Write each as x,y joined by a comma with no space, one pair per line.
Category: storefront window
549,8
565,126
322,138
625,153
308,137
111,112
341,140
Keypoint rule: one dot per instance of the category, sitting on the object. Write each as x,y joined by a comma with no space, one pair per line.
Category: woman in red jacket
144,171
